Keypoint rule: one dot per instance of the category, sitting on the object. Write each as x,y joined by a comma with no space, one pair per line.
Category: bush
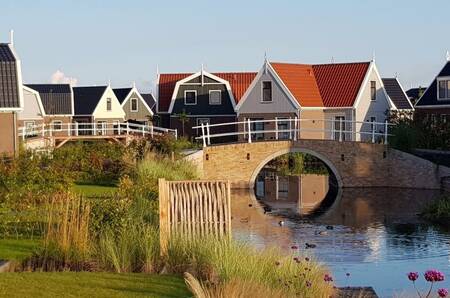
438,211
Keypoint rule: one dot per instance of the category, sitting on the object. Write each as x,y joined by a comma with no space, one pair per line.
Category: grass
438,211
17,249
94,191
83,284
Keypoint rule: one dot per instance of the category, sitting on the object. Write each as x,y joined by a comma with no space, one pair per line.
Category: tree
183,118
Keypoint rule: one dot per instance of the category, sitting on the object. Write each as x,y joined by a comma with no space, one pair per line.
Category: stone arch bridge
355,164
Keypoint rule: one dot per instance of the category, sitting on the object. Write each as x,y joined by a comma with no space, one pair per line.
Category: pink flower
413,276
434,275
294,247
328,278
442,292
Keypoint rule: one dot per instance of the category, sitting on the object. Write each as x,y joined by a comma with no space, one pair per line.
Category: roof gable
429,97
56,98
86,99
238,81
10,93
149,99
122,93
396,93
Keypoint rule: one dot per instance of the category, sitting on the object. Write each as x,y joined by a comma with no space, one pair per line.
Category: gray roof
9,84
56,98
86,99
150,100
397,94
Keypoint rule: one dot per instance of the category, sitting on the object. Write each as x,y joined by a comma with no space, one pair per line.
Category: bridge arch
281,152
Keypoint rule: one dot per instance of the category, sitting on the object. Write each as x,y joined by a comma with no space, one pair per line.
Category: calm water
376,235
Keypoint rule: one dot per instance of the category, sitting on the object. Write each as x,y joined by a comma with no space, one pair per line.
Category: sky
95,42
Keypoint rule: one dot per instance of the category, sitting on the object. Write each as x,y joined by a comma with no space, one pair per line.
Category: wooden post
163,216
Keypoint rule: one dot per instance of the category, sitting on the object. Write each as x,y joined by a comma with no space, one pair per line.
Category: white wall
116,112
367,108
31,109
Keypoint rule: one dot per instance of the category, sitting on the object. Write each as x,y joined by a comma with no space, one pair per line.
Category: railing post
176,134
76,128
386,132
118,128
249,128
143,130
128,128
295,128
290,128
23,132
276,128
151,131
332,129
207,133
340,129
51,130
373,132
43,129
203,134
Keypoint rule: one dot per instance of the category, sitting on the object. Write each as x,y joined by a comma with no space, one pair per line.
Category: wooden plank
163,224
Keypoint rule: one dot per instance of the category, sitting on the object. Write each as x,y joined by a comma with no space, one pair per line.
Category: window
373,90
29,128
257,124
201,121
108,104
444,89
283,126
101,128
339,127
215,97
267,91
134,105
57,125
190,97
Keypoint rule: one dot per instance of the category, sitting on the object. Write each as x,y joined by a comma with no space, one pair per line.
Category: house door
339,127
101,128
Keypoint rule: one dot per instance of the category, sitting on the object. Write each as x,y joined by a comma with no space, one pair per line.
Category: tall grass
220,262
439,211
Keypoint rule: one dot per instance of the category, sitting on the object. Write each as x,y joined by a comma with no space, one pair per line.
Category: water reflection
373,233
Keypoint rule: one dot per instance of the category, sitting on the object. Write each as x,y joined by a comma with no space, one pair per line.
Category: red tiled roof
339,83
239,82
301,82
323,85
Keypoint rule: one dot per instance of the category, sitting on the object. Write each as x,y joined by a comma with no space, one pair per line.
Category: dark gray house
134,105
11,98
186,100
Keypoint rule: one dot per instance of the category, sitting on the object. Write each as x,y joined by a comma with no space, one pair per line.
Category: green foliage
298,163
439,211
17,249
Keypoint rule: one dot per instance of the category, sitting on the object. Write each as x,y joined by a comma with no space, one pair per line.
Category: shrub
438,211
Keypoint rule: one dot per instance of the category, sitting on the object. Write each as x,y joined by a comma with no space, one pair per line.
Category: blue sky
124,41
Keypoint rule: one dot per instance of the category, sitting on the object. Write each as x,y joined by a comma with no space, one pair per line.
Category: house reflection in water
307,191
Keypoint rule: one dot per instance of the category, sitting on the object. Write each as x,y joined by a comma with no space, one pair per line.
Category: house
57,103
33,113
435,101
414,94
11,98
96,105
190,99
397,95
135,106
326,98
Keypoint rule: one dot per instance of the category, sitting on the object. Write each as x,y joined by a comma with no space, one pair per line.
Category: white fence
91,129
294,128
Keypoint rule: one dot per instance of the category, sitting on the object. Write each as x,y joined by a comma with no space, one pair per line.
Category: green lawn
12,249
94,191
83,284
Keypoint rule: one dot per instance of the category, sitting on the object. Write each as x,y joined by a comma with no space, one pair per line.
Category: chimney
11,37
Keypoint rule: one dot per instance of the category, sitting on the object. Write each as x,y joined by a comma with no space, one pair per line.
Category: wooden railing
193,209
91,129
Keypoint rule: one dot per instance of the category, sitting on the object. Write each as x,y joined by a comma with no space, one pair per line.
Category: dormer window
108,104
443,88
134,105
267,91
190,97
215,97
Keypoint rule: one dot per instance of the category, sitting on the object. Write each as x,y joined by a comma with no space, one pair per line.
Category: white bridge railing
91,129
294,128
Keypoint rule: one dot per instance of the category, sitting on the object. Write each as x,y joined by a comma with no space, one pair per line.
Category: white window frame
220,97
27,130
60,123
443,79
371,99
131,105
103,130
190,104
109,99
262,92
198,123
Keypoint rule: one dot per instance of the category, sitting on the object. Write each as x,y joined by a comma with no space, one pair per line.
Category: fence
91,129
193,209
293,128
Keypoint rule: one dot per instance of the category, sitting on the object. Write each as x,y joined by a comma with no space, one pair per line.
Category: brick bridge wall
354,164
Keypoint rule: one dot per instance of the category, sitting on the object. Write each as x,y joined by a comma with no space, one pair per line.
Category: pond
373,234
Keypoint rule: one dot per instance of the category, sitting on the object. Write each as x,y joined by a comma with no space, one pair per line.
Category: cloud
58,77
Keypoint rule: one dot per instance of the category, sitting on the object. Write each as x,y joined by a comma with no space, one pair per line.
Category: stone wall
354,164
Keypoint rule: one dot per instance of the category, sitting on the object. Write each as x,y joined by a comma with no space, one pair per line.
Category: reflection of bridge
51,135
354,164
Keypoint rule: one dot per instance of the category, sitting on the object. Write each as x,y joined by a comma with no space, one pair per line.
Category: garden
83,220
